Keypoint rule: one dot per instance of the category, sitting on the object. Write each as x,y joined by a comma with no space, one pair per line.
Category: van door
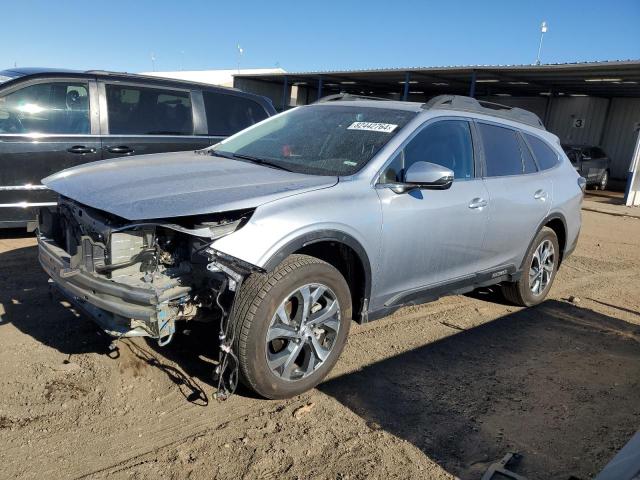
141,119
46,125
520,195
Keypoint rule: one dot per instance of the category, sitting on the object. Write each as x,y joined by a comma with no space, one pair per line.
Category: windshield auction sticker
373,127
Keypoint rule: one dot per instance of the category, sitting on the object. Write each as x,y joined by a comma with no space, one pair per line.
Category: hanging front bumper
121,310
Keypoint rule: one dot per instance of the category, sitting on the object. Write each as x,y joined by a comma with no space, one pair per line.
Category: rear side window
501,150
56,107
546,157
228,114
148,111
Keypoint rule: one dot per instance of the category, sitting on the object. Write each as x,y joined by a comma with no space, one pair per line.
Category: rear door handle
81,149
478,203
120,149
540,195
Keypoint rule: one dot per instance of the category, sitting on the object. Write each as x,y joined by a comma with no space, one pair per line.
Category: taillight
582,183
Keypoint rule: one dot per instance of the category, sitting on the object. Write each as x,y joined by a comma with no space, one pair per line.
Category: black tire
255,306
520,293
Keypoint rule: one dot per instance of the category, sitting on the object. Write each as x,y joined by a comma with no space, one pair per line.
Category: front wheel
291,326
540,267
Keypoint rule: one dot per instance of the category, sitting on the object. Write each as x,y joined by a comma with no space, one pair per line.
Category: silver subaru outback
284,233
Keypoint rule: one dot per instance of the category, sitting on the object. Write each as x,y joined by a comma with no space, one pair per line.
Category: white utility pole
240,52
543,30
632,194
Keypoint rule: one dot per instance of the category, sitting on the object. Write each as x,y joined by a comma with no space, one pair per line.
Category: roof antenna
240,53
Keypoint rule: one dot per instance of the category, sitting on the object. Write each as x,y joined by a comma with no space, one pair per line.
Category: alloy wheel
541,270
302,332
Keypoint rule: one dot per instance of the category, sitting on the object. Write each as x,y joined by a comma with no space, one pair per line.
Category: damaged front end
140,278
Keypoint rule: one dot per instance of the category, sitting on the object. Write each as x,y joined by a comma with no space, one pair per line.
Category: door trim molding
27,204
10,188
461,285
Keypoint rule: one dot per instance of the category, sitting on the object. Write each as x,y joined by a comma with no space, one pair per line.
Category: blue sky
306,35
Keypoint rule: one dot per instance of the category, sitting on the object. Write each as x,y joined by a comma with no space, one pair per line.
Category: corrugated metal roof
585,64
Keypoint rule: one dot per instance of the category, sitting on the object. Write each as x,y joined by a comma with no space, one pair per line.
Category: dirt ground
436,391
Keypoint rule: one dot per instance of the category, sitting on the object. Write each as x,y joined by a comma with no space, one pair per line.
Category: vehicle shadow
12,233
27,303
490,294
612,198
556,383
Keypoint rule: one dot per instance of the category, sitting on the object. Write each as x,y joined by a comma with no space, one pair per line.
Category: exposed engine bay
138,279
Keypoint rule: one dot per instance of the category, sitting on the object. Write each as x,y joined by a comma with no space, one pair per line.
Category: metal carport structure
595,103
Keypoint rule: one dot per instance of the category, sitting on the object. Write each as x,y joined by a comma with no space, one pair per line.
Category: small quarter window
501,151
546,157
527,159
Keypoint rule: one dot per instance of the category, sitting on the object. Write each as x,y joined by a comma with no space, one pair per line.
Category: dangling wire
228,364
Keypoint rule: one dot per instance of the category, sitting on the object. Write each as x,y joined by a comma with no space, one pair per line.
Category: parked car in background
341,210
590,162
55,119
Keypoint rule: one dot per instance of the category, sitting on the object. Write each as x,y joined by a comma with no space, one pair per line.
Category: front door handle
120,149
81,149
478,203
540,195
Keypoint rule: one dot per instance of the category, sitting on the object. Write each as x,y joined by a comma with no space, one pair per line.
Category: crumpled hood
178,184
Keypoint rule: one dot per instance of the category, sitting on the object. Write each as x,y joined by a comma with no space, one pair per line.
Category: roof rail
469,104
348,96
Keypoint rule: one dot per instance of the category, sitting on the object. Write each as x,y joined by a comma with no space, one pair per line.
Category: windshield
317,139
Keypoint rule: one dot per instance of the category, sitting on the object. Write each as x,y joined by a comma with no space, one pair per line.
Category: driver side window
447,143
57,107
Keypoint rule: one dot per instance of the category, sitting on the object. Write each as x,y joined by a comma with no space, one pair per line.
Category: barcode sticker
373,127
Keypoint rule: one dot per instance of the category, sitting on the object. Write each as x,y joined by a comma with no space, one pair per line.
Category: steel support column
319,88
285,93
472,87
405,90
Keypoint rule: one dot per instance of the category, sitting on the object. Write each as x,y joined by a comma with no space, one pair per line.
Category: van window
597,152
447,143
56,107
501,150
228,114
544,154
148,111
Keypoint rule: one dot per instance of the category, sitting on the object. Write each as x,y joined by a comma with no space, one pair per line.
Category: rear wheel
541,265
291,326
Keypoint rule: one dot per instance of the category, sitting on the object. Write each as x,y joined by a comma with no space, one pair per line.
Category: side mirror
426,175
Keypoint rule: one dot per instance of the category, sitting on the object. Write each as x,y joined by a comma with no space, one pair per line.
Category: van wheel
291,326
540,267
